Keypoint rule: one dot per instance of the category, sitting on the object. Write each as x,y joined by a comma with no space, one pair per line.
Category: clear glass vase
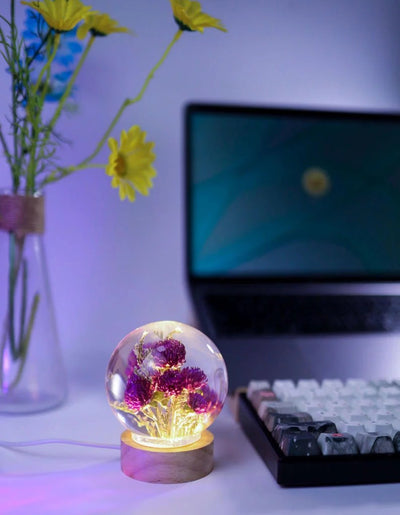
32,374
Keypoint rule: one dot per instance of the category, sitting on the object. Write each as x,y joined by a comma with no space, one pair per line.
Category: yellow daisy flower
189,16
99,25
130,163
60,15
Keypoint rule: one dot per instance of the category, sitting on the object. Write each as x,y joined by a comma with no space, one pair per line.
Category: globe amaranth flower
60,15
138,392
189,16
99,24
193,378
204,402
130,164
171,382
174,382
167,353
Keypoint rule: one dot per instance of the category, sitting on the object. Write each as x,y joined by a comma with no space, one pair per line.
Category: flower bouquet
166,382
43,62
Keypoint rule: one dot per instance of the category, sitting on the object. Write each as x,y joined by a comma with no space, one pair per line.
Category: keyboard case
314,470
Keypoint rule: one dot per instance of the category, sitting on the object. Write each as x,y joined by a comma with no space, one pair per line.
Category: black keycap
319,426
299,443
282,429
314,428
273,419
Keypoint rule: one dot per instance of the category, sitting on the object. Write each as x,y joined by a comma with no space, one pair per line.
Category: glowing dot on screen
316,182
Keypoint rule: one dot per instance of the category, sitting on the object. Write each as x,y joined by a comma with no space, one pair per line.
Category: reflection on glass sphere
166,382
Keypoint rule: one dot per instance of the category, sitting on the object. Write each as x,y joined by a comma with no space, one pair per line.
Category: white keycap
387,394
281,386
384,415
375,426
331,384
367,406
348,397
391,405
304,404
307,384
396,424
254,386
281,407
318,413
334,404
369,393
380,383
360,418
356,383
310,405
352,428
345,414
323,397
296,399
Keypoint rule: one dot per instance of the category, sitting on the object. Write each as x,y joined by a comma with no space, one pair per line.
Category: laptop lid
292,203
292,195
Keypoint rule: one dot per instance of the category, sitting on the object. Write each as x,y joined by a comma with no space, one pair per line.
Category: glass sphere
166,382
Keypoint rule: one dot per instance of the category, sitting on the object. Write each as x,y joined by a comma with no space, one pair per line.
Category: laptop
293,239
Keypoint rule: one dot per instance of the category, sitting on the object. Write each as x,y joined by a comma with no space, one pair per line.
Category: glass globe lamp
166,382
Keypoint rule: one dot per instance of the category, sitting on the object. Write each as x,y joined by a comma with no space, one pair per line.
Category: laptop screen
285,193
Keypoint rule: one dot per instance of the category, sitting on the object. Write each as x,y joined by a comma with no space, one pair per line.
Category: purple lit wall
116,265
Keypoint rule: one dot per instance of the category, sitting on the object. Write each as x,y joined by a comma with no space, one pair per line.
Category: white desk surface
65,479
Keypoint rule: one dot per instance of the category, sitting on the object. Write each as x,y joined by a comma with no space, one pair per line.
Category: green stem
6,55
31,171
63,172
25,342
18,346
47,65
11,295
92,165
68,89
155,68
5,148
45,87
15,261
24,293
34,110
39,48
14,106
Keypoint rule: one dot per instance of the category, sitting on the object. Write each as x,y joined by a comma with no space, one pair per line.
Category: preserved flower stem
19,343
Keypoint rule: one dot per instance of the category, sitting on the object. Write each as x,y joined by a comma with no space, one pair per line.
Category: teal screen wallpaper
284,194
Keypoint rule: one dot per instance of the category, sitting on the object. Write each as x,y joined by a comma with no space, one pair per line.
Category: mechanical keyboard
331,432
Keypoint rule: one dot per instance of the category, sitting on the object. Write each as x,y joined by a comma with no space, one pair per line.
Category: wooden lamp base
167,465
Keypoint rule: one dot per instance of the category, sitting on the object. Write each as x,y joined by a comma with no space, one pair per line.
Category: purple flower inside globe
166,382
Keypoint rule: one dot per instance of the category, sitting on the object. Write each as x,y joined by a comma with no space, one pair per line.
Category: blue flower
36,34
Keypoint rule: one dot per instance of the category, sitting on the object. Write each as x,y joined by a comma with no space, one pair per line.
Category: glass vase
32,374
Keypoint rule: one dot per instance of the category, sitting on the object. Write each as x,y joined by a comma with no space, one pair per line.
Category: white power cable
30,443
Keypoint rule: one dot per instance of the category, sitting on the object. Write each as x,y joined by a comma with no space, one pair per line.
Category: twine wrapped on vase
22,214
